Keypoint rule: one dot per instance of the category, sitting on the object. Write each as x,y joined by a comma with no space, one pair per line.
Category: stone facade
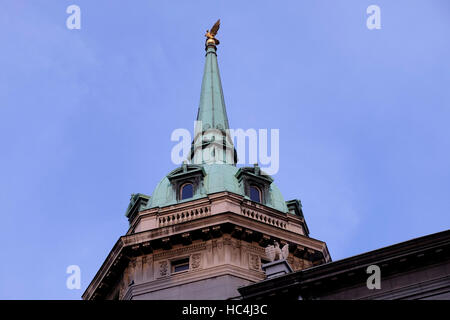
222,237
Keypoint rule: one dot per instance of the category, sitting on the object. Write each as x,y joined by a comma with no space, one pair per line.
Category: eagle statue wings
210,34
274,252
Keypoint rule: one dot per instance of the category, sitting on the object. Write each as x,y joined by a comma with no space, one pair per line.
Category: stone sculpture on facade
274,252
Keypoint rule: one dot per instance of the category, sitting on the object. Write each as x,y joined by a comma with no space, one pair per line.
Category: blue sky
86,117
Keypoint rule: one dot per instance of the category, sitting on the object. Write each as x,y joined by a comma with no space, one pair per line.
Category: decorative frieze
254,249
179,251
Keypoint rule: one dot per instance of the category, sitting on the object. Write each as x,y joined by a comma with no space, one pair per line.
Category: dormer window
255,194
256,184
187,181
187,191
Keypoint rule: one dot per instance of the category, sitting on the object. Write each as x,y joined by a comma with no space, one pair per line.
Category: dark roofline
354,264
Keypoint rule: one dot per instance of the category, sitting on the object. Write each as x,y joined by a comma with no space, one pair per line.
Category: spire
211,110
212,142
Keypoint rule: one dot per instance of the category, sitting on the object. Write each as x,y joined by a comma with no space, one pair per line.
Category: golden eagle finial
210,34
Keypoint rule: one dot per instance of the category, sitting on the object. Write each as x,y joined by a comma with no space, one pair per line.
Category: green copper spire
211,110
212,141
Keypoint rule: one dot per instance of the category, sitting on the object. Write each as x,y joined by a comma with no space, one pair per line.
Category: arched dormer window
186,191
256,184
187,182
255,194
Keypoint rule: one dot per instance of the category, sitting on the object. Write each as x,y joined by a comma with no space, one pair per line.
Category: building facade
202,233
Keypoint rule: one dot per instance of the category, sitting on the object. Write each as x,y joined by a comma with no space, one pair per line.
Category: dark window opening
180,265
187,191
255,194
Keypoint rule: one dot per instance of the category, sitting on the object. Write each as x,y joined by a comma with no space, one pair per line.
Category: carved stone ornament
163,268
196,260
254,262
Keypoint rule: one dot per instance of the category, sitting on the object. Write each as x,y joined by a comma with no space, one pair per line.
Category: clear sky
86,117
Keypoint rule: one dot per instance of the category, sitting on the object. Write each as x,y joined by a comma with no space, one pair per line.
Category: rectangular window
180,265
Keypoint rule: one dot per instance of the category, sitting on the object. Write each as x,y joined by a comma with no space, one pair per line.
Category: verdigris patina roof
218,178
211,110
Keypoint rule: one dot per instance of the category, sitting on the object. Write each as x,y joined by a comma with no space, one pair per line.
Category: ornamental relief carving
163,268
254,262
196,261
236,244
298,264
227,241
217,244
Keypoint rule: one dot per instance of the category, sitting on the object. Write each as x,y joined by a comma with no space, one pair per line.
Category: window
180,265
186,181
255,194
187,191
